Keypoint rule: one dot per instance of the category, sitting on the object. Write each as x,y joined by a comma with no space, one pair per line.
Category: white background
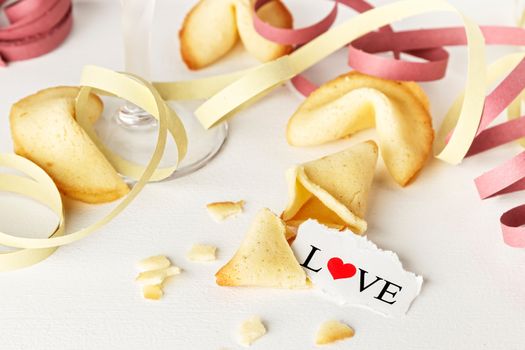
84,296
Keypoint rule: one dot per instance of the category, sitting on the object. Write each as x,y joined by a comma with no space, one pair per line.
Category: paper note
353,271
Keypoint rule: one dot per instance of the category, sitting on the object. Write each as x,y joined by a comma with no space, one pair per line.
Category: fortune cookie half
332,190
213,27
399,111
45,131
264,258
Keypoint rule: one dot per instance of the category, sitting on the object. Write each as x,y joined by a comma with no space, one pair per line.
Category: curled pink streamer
36,27
424,43
428,44
293,36
511,226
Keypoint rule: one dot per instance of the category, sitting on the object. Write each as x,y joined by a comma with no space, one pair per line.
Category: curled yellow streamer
274,73
41,188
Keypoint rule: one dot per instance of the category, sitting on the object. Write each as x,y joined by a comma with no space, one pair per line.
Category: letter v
362,286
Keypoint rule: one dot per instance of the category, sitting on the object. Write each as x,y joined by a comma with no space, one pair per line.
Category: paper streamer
511,225
272,74
427,44
36,27
40,187
292,36
231,92
422,43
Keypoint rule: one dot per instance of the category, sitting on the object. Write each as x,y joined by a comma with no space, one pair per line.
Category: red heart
338,269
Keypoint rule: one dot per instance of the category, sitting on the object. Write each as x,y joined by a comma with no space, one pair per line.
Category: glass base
131,116
133,136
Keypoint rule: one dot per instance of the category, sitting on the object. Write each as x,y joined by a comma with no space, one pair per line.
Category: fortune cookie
332,190
399,111
264,258
44,130
212,28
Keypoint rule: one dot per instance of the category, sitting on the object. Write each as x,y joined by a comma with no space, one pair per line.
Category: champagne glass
131,131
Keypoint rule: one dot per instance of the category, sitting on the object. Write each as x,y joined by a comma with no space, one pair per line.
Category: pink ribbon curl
36,27
428,44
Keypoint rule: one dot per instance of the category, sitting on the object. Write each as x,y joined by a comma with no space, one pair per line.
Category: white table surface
84,296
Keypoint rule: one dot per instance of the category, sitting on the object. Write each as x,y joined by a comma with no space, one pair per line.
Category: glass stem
137,19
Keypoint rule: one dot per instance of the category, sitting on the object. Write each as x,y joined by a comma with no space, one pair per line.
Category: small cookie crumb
153,263
202,252
153,272
251,330
155,277
220,211
332,331
152,292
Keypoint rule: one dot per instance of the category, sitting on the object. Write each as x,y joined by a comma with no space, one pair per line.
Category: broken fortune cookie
334,189
264,258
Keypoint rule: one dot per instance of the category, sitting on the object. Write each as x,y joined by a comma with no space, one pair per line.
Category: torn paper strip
352,270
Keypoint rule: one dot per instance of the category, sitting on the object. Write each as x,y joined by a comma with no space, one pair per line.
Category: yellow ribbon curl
258,81
41,187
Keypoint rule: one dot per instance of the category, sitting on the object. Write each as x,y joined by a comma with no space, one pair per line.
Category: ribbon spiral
36,27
